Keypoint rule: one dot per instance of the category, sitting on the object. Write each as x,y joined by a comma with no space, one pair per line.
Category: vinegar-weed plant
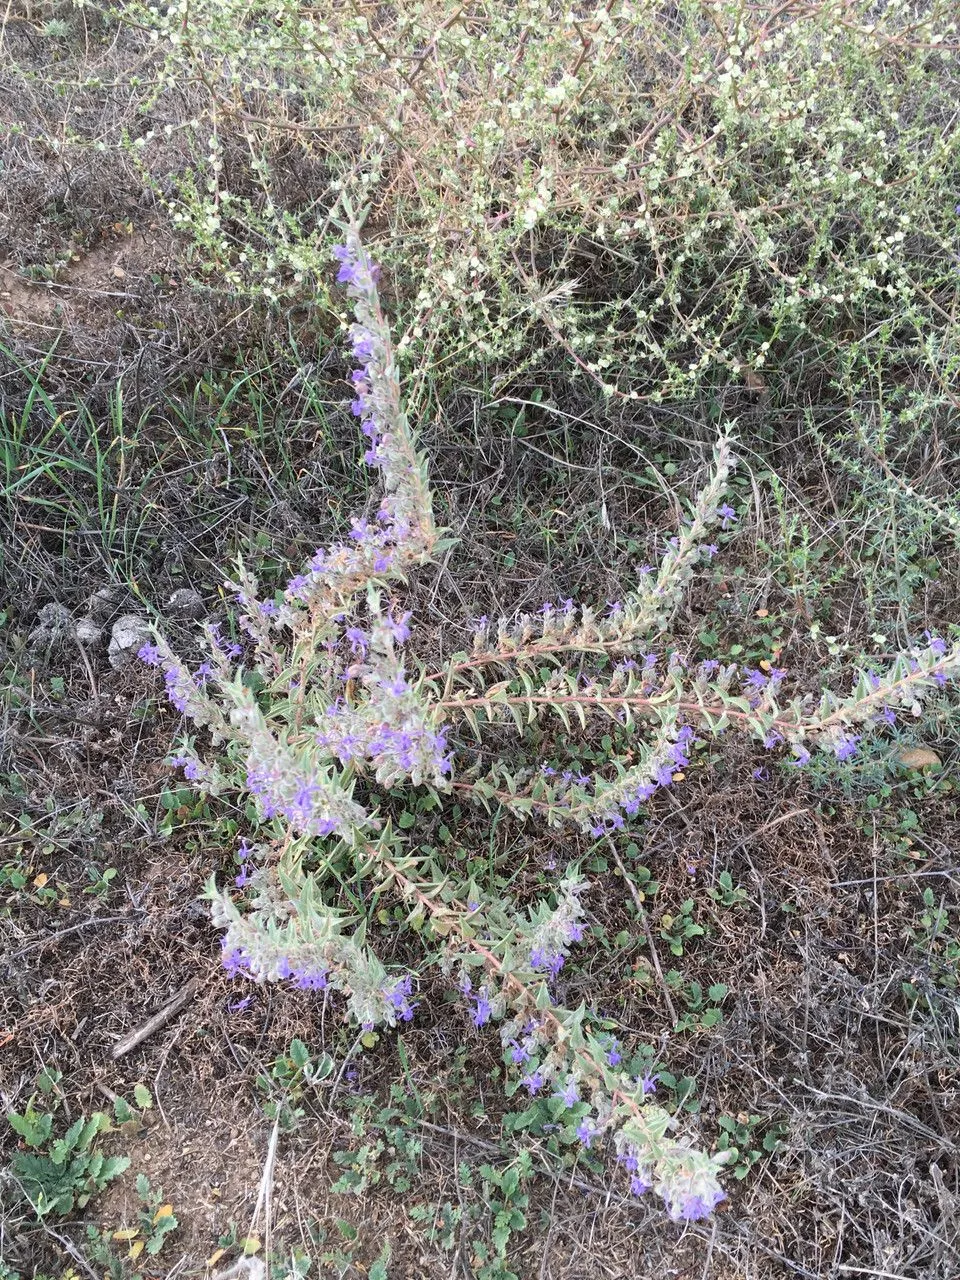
323,708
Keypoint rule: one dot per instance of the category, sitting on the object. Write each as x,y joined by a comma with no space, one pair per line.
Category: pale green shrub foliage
652,197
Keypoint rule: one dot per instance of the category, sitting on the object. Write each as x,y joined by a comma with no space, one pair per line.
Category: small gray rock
187,603
129,632
55,628
104,603
88,633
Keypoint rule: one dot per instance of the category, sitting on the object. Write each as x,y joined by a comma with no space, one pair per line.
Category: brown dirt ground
813,1033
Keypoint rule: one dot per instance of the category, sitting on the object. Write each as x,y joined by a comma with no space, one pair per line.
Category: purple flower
239,1005
172,679
727,515
586,1131
639,1183
519,1055
845,748
690,1206
399,627
711,549
771,739
801,755
310,979
396,686
569,1095
358,640
937,645
302,804
396,997
350,269
191,768
552,961
533,1082
150,654
297,586
614,1056
235,960
483,1011
362,341
269,608
648,1082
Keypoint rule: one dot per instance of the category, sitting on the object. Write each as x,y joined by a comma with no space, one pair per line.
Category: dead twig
645,921
160,1019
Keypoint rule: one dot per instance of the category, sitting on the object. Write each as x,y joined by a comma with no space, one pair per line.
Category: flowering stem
496,657
512,985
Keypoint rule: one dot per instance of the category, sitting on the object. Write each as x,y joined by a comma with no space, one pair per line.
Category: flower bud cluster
393,727
290,785
302,942
547,939
403,531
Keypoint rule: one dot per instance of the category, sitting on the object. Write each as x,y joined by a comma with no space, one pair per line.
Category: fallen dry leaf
918,758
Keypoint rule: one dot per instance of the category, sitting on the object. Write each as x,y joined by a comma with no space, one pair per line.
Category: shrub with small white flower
324,708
